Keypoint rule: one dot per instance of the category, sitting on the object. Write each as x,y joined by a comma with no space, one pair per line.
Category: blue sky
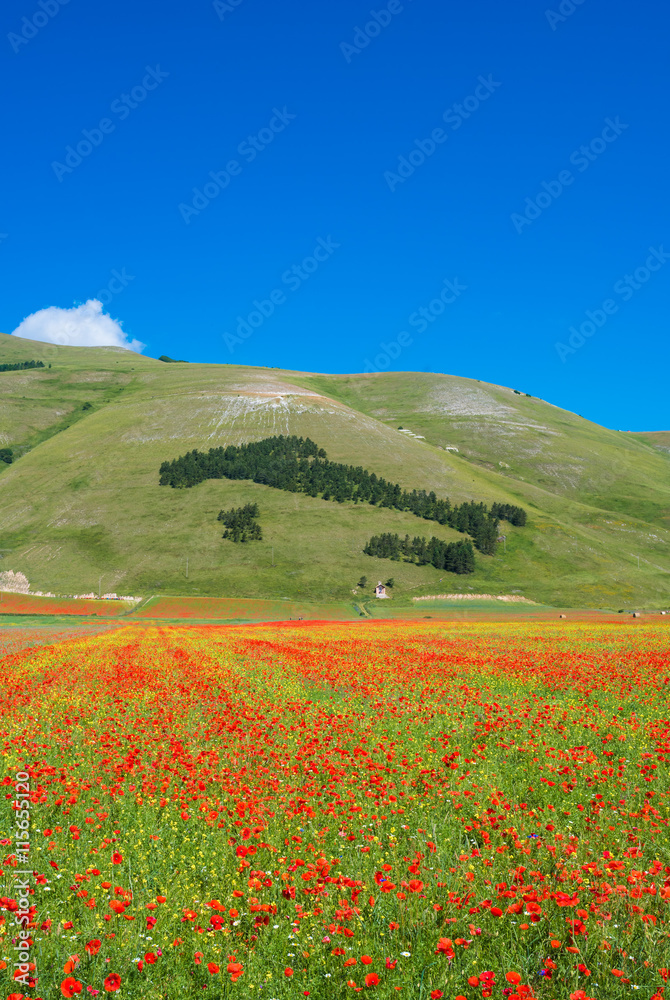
308,116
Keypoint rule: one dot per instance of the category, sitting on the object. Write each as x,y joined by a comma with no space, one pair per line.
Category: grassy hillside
83,501
520,438
659,439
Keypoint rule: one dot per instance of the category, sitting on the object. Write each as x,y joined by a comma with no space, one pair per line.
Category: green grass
83,499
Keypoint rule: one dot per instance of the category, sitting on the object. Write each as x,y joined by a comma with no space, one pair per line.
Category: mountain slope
83,501
659,439
520,437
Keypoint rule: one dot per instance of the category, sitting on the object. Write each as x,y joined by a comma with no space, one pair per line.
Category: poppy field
30,604
417,809
14,637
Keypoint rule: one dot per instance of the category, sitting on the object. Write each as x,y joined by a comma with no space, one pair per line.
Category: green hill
81,499
660,439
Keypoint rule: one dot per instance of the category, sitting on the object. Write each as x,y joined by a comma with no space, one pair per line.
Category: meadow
418,809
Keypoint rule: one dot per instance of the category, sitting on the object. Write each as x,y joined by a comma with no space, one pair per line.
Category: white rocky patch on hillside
14,583
465,401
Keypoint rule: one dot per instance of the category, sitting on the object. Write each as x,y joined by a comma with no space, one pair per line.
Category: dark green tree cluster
476,520
20,366
298,465
6,455
277,461
172,361
507,512
242,523
454,557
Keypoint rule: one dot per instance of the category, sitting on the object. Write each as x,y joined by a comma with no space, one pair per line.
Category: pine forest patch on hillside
19,366
298,465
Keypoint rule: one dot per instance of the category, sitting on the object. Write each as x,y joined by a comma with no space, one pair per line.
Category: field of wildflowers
414,809
31,604
14,637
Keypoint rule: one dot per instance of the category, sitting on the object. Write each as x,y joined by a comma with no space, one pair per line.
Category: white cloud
81,326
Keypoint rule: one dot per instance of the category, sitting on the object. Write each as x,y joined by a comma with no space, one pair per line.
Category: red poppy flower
117,858
112,983
70,987
372,979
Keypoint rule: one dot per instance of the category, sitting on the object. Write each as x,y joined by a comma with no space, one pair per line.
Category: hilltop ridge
81,500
